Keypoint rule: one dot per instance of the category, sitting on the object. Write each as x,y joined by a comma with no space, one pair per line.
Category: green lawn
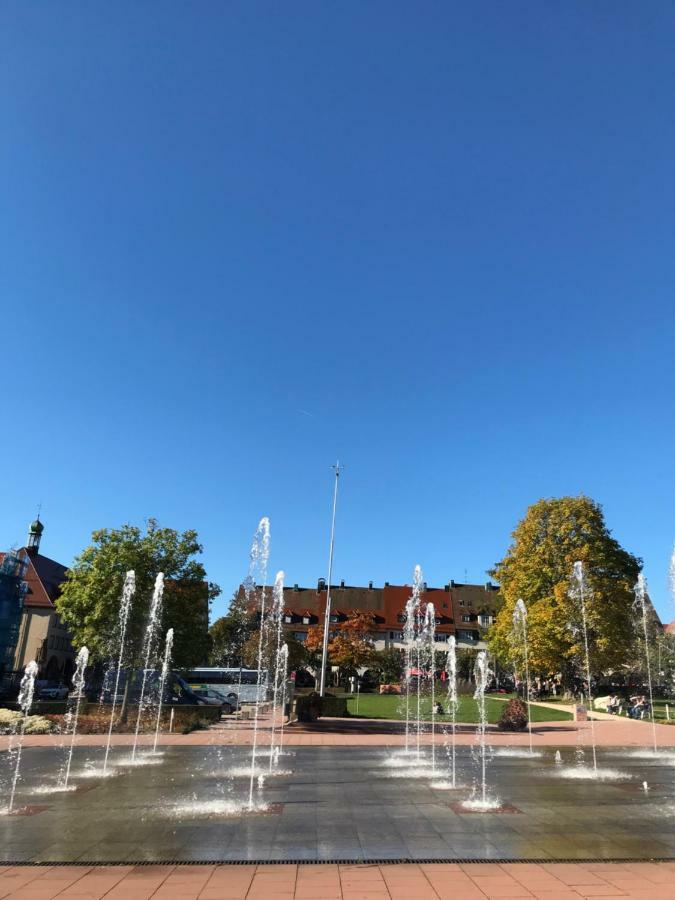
391,706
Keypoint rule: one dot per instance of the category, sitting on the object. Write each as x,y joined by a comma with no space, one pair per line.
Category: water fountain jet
149,646
168,648
81,663
128,591
578,593
641,605
26,692
521,639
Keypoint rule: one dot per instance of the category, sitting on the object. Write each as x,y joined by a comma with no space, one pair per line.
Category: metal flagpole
326,624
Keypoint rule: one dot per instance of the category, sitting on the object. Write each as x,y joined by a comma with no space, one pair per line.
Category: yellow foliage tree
537,568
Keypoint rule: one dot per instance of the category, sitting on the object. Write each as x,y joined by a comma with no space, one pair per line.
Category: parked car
51,690
213,698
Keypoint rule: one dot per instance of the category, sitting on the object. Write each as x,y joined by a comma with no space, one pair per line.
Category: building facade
463,610
41,634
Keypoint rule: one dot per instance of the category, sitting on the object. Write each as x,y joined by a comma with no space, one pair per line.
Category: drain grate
352,861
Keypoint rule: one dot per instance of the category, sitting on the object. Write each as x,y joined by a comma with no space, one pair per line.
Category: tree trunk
124,710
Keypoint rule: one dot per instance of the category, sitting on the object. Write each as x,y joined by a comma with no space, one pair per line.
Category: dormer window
288,619
305,620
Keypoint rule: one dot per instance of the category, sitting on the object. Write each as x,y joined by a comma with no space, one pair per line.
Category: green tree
389,664
90,598
230,633
537,568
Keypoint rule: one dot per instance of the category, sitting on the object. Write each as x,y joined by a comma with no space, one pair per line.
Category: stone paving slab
339,803
434,881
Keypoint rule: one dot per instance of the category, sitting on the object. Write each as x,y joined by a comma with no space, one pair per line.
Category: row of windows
58,643
397,636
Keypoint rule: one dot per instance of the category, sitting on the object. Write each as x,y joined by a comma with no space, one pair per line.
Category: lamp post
326,623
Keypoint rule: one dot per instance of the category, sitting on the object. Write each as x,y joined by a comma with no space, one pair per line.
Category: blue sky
241,240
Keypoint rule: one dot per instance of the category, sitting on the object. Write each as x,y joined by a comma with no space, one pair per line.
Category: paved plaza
340,804
431,881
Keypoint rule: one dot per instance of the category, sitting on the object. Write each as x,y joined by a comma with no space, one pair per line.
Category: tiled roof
44,577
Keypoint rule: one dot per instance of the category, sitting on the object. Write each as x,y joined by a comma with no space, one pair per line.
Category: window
466,618
441,638
468,636
334,619
300,636
461,603
305,620
485,621
288,619
395,635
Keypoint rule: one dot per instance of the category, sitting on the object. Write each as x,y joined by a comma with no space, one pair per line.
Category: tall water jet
282,669
429,643
128,592
26,692
257,574
671,575
148,649
166,665
578,594
73,714
409,641
417,590
641,605
521,640
451,670
482,674
276,620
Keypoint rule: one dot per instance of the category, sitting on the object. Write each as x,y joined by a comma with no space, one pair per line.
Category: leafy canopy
351,645
538,566
90,599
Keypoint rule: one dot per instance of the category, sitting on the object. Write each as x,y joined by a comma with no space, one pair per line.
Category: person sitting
635,711
613,704
438,709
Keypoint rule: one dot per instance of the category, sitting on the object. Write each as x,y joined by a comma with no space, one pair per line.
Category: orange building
465,610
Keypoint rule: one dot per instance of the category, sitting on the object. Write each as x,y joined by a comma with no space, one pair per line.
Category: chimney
447,589
342,583
370,585
295,587
386,584
488,585
424,586
321,585
452,582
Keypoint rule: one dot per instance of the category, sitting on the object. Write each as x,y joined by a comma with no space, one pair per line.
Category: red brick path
437,881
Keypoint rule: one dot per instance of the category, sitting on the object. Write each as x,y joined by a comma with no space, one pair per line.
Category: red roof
44,577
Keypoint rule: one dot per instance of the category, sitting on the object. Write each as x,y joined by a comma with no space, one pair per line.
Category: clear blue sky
239,240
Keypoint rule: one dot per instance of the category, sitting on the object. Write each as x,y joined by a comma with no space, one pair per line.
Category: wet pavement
337,804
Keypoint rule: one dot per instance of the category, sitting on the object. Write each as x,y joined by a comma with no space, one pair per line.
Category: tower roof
36,527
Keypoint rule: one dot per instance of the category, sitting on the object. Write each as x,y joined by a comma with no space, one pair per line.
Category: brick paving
616,731
435,881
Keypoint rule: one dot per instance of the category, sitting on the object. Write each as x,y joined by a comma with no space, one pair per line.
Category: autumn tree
351,645
537,568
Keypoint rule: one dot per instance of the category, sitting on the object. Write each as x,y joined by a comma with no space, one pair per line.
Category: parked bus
235,685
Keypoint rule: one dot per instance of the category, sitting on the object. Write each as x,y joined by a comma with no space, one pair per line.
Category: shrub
513,717
10,720
308,707
38,725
